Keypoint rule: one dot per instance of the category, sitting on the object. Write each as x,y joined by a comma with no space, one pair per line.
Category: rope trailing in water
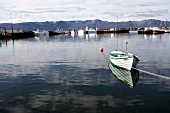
161,76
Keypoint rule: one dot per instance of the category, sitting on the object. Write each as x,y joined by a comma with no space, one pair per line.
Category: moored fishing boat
148,30
91,30
167,30
157,30
123,60
81,32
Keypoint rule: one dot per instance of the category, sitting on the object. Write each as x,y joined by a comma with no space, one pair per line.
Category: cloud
148,14
159,11
86,9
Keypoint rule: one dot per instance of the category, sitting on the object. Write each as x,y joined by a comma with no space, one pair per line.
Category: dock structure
145,32
104,31
16,35
19,35
113,30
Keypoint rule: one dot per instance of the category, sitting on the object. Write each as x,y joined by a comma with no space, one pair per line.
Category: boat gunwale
120,56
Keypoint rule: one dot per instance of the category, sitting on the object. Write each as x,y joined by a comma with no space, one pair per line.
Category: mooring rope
161,76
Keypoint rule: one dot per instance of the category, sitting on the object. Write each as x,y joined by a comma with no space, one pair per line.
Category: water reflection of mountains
128,77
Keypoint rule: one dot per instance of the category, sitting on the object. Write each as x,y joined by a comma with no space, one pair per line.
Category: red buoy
101,49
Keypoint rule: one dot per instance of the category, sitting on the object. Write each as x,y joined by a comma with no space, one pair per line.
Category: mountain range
70,25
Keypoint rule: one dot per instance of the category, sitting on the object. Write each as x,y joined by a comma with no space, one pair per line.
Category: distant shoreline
70,25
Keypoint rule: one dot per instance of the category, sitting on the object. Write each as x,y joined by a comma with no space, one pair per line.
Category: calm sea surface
68,74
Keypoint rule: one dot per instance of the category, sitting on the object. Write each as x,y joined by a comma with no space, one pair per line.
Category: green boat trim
121,55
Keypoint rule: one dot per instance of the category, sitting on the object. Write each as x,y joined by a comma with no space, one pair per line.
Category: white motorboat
90,30
41,32
148,30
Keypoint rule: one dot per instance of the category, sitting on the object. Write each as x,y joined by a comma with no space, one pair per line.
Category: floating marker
101,49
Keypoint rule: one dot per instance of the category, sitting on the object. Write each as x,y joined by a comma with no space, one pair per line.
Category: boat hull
92,31
123,63
157,30
135,61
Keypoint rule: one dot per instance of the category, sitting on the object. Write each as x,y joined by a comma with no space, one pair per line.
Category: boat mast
11,25
117,41
117,29
117,20
126,47
165,23
160,26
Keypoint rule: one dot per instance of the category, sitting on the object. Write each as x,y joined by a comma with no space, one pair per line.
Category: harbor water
68,74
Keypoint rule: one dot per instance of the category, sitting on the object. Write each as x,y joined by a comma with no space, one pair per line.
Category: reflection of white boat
147,36
91,36
41,32
41,38
81,32
128,77
74,31
123,60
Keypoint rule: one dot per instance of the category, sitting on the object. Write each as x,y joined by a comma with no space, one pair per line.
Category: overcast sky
55,10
